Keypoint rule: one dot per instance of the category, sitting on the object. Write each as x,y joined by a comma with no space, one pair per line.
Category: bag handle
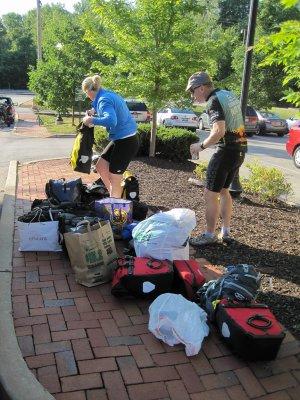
258,317
154,264
50,214
38,214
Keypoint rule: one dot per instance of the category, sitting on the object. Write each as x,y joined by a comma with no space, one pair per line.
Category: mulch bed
266,235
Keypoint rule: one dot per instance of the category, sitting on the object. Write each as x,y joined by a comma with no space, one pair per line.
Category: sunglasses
192,90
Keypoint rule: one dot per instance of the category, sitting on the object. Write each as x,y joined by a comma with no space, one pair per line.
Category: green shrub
174,143
200,170
268,183
101,138
144,132
171,143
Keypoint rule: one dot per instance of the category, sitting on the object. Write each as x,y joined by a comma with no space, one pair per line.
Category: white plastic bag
39,236
164,236
173,319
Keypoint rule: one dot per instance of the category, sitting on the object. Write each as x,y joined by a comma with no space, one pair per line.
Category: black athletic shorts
222,168
120,152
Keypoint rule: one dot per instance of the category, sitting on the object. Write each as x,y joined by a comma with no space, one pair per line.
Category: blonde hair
91,83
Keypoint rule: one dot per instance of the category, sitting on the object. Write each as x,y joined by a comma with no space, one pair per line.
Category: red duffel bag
142,277
188,278
251,330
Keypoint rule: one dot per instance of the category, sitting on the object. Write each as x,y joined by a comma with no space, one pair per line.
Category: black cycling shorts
222,168
119,153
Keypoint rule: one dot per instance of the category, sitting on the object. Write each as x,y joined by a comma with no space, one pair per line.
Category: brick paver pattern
84,344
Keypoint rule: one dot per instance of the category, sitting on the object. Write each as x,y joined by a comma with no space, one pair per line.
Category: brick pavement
27,125
84,344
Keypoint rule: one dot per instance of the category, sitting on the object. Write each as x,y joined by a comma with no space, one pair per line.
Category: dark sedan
271,123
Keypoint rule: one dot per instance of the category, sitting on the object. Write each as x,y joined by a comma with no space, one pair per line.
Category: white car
178,117
292,121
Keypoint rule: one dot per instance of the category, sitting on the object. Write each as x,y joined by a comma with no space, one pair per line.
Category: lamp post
39,29
235,188
59,119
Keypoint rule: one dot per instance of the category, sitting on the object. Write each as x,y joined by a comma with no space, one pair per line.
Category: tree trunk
153,134
73,115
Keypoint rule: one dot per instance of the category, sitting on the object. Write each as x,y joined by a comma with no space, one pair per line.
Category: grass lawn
65,128
286,112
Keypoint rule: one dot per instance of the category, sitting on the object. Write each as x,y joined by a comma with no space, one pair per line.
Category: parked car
177,117
271,123
293,143
292,121
251,122
204,121
138,110
7,110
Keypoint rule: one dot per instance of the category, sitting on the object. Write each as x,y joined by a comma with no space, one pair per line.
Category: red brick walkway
27,125
84,344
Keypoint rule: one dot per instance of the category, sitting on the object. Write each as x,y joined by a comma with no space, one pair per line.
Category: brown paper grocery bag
91,251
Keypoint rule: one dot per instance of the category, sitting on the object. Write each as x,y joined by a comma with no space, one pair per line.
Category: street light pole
248,54
235,188
39,29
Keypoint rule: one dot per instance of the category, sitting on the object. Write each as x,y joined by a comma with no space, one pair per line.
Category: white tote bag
39,236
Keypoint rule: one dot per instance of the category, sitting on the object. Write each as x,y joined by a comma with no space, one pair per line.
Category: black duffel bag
62,191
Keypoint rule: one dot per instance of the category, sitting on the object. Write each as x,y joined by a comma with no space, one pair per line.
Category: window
136,106
181,111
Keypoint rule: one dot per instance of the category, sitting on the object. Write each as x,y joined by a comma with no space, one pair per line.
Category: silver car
271,123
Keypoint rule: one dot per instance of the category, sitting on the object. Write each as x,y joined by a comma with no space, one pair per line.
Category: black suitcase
251,330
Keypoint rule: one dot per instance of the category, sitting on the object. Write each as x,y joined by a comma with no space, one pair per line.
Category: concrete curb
16,380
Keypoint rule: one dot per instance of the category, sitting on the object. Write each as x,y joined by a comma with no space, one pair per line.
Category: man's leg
212,212
102,168
116,189
226,207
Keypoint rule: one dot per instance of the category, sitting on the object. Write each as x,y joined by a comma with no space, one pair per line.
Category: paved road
25,149
19,97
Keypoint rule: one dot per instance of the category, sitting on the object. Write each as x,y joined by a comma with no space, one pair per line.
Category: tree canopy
282,49
17,51
66,60
153,46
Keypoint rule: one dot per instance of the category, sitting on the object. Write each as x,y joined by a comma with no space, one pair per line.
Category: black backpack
94,191
240,283
82,152
130,185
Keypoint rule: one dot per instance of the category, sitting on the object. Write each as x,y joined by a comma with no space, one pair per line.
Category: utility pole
235,188
39,29
248,55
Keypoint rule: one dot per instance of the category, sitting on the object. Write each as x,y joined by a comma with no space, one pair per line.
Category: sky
22,6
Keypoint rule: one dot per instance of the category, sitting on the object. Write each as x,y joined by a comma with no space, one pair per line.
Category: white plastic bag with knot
164,236
173,319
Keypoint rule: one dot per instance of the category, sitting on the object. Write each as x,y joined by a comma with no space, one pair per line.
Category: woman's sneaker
225,238
203,240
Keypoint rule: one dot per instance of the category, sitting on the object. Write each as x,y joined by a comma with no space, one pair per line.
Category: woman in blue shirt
112,113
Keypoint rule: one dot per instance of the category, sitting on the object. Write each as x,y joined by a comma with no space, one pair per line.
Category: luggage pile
84,221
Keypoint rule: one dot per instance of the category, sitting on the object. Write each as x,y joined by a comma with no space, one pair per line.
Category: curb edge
16,380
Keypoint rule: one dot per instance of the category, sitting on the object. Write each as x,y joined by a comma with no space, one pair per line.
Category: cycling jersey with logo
222,105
